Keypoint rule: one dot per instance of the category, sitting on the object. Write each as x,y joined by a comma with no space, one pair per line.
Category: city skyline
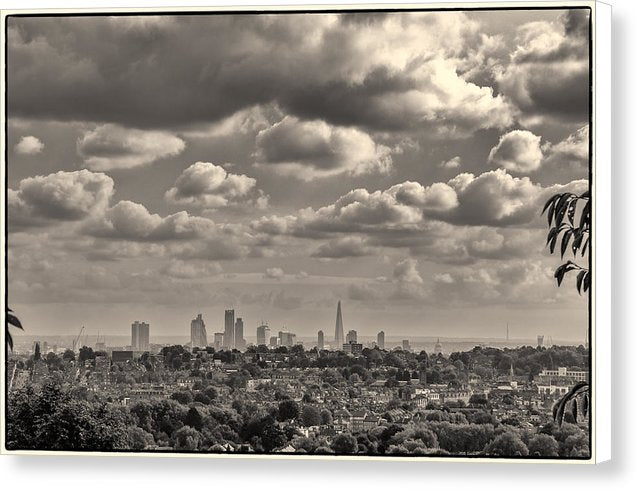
402,169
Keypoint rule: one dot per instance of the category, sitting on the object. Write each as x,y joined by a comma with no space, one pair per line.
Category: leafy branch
570,232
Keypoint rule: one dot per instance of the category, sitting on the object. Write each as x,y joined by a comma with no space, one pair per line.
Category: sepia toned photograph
318,233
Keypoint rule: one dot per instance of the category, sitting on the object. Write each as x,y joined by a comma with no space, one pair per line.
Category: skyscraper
239,341
351,336
198,335
406,345
263,334
140,336
287,339
321,340
218,343
228,333
338,334
380,340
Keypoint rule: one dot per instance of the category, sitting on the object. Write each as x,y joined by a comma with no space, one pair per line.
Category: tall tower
263,334
140,336
339,339
380,340
198,335
321,340
239,341
228,333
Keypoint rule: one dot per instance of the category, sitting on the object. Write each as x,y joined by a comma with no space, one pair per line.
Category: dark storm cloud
390,72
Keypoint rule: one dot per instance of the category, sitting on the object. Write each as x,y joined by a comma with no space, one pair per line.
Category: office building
140,336
228,333
406,345
351,336
339,339
287,339
380,340
540,340
218,342
353,348
274,341
321,340
263,334
198,335
239,341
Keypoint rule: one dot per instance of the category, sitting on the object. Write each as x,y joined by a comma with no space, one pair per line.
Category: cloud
571,153
548,74
406,271
110,147
62,196
374,71
274,273
517,151
451,163
206,185
28,145
311,149
351,246
132,221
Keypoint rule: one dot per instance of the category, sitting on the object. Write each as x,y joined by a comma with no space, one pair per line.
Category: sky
164,166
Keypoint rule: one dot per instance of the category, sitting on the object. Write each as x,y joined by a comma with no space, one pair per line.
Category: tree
194,418
345,444
183,397
288,409
326,417
310,416
13,320
186,438
507,444
138,438
543,445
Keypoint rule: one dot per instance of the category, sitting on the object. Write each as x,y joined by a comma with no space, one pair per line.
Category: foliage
561,210
13,320
507,444
345,444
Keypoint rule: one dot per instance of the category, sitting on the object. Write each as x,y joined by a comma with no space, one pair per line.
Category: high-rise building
321,340
406,345
540,340
274,341
351,336
198,335
140,336
339,339
287,339
218,343
380,340
263,334
239,341
228,333
353,348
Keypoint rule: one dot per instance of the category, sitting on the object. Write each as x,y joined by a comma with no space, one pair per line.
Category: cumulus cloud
375,71
351,246
206,185
28,145
548,74
517,151
451,163
132,221
406,271
310,149
274,273
111,146
62,196
571,153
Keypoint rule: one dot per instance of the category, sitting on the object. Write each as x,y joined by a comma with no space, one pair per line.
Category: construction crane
77,340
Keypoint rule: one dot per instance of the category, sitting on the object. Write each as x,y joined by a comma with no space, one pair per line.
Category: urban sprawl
222,394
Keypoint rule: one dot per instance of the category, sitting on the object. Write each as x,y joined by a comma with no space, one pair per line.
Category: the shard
338,333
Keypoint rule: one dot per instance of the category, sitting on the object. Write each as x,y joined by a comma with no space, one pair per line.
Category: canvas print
346,232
